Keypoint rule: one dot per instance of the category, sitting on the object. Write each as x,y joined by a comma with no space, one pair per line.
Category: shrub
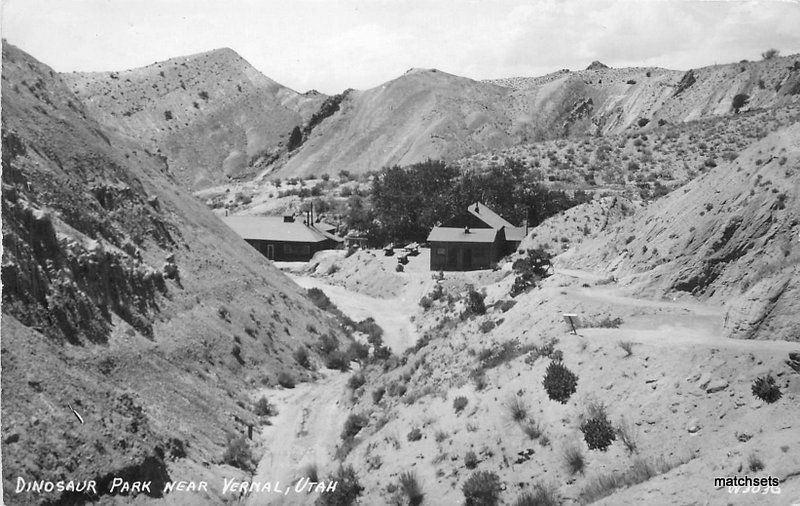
754,463
573,458
353,425
478,377
377,394
409,485
459,403
482,488
770,54
301,357
487,326
627,347
265,408
338,360
373,331
764,388
327,344
319,299
530,269
285,380
415,434
310,471
540,496
598,433
356,381
474,303
470,460
739,101
348,488
559,382
358,351
517,408
223,313
238,454
532,429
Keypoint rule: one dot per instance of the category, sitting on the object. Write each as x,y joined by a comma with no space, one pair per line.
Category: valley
144,340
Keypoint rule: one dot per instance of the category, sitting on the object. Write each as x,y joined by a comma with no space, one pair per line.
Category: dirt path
393,315
304,432
310,416
663,322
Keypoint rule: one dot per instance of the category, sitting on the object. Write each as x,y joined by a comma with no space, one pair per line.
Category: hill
127,301
431,114
731,236
425,113
212,115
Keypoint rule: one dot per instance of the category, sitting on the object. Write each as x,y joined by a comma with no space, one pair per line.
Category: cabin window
440,251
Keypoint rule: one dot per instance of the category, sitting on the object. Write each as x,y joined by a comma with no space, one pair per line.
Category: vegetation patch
764,388
482,488
642,470
559,382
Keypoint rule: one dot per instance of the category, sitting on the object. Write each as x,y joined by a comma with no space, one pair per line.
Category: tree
770,54
295,139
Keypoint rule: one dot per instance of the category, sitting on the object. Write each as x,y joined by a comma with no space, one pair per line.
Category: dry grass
626,433
517,408
640,471
573,458
627,347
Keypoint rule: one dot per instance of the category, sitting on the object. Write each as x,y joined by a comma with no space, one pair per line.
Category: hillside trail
669,323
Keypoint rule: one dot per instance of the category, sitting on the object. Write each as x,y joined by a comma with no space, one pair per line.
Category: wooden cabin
283,238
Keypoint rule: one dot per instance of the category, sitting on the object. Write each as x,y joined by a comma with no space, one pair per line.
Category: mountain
134,323
210,114
431,114
729,236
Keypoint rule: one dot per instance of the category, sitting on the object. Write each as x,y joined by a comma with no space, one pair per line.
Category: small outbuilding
283,238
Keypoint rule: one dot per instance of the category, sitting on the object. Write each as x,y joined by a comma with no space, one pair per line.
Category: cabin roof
458,234
488,216
274,228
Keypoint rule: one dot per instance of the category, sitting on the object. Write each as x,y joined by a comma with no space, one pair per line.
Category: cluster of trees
406,202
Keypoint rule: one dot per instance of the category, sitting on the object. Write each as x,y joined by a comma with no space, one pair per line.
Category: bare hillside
431,114
731,235
425,113
211,114
127,301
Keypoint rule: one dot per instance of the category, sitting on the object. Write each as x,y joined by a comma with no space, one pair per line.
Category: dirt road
310,416
304,432
393,315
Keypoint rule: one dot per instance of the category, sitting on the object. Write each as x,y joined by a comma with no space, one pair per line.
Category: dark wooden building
283,238
475,240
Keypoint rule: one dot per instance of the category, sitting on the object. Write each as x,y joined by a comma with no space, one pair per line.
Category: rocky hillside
211,115
431,114
731,235
127,301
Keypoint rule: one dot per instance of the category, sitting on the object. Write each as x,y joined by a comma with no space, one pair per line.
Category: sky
331,45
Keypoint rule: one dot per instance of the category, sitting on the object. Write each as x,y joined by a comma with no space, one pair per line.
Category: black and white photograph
400,252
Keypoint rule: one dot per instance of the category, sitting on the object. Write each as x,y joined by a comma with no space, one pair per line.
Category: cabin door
271,251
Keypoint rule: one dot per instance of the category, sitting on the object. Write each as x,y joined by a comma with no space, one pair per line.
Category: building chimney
477,208
466,230
525,226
